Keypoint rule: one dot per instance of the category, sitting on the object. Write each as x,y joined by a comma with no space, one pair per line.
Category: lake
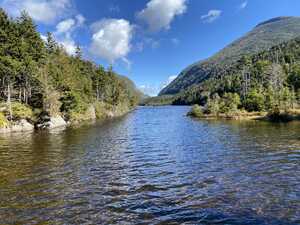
153,166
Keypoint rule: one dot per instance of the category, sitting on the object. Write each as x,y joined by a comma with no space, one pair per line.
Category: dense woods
38,77
267,81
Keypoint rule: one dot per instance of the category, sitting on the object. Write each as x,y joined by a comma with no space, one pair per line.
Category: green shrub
213,105
293,78
21,111
230,103
73,105
254,101
101,111
196,111
3,121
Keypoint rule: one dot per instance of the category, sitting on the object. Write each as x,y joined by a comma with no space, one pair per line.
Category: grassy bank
272,116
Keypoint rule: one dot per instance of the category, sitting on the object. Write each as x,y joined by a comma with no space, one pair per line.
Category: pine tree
78,52
51,45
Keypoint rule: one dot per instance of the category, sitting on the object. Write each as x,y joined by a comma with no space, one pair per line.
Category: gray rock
55,122
20,126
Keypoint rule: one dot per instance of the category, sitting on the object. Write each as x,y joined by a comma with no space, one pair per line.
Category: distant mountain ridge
264,36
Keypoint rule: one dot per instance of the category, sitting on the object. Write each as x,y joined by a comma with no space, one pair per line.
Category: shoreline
56,122
283,117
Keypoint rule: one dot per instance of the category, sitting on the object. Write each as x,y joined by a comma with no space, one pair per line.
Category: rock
47,122
110,114
56,122
20,126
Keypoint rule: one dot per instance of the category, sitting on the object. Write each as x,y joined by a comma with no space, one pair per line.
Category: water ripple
153,166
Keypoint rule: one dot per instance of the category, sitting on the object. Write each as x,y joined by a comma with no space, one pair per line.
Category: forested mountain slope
262,37
268,81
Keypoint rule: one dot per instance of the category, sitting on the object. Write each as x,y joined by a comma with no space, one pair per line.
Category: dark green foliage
254,101
275,115
294,77
42,76
196,111
230,102
263,82
158,101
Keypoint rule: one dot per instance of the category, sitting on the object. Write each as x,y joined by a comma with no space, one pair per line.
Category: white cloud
65,26
160,13
211,16
69,25
80,20
69,45
149,90
243,5
111,39
45,11
64,33
44,37
153,90
169,81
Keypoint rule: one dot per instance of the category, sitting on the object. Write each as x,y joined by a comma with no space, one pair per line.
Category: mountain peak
276,19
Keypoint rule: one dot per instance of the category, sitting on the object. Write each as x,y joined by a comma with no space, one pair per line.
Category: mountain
264,36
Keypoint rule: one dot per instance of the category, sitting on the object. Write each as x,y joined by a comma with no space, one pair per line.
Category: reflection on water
153,166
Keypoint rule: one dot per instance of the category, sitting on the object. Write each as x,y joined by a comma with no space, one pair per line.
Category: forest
39,78
265,82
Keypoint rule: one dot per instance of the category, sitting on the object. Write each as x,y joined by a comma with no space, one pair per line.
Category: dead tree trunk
9,100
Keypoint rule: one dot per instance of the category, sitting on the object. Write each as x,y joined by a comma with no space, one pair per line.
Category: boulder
47,122
20,126
55,122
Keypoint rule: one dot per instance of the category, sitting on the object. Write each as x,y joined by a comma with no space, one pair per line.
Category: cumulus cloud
159,14
243,5
45,11
212,15
111,39
65,26
69,45
65,30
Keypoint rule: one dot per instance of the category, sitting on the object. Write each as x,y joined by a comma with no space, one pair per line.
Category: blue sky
150,41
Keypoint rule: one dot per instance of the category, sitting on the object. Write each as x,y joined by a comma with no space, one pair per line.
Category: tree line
267,81
40,75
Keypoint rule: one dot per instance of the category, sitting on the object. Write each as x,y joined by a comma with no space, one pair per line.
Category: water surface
153,166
